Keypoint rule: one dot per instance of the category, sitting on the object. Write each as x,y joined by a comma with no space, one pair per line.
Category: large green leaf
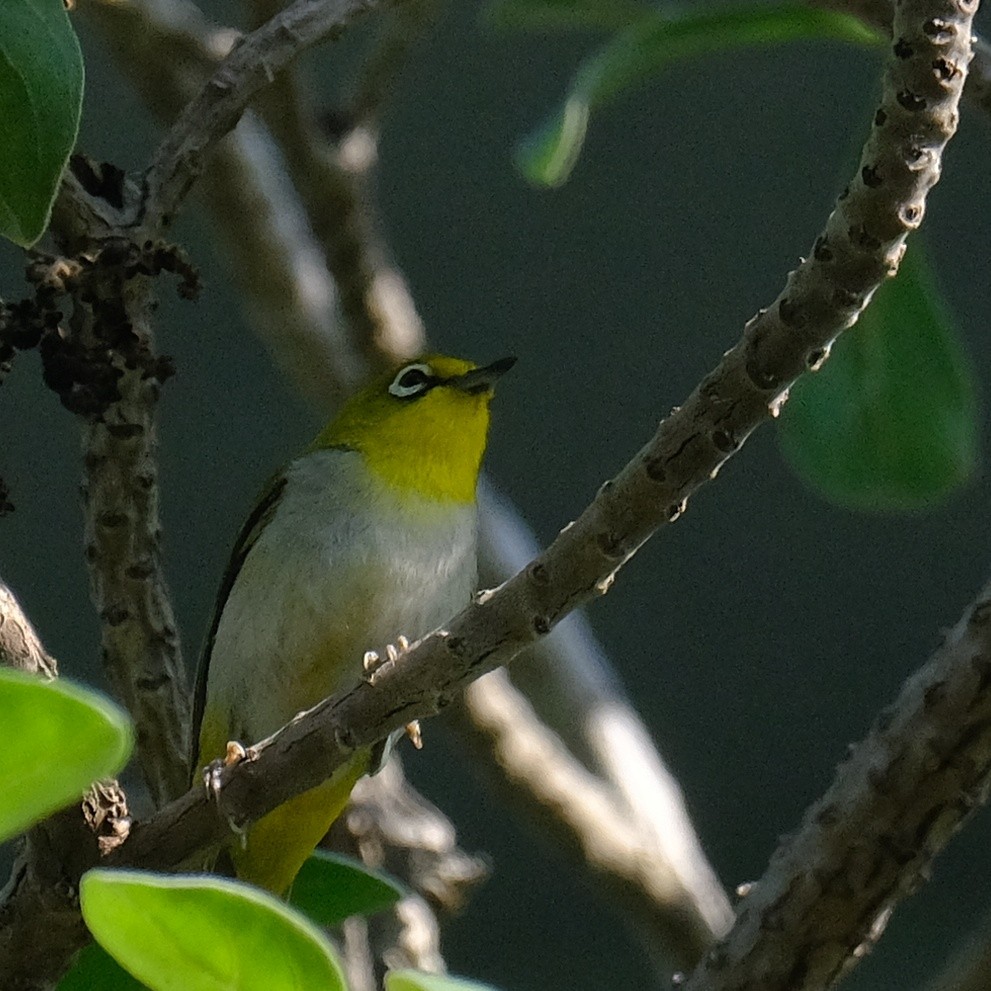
648,46
96,970
183,933
890,420
416,980
331,888
41,91
57,739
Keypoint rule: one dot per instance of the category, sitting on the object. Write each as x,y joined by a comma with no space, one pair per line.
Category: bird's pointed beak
480,380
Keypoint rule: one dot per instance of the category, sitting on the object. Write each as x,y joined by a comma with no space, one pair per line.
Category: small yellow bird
367,537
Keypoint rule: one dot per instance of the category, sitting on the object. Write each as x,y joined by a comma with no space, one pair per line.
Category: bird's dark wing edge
261,514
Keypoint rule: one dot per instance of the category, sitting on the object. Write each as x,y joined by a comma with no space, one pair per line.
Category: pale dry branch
584,816
573,691
332,174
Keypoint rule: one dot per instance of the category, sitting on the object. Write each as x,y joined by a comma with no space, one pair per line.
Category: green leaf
58,738
185,933
658,38
331,888
542,15
41,92
96,970
416,980
890,422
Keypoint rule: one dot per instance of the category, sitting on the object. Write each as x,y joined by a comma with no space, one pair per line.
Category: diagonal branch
861,245
867,843
581,814
252,63
242,181
878,14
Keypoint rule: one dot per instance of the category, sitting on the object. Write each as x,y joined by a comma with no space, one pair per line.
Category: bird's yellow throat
428,443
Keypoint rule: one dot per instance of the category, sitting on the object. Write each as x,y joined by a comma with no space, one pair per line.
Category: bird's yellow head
422,428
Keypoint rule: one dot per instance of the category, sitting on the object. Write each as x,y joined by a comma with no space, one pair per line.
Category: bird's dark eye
411,381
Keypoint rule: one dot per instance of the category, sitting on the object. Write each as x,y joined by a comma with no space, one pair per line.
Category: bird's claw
213,772
414,734
375,665
213,780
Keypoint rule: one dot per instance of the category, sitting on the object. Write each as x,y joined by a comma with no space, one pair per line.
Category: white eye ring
411,381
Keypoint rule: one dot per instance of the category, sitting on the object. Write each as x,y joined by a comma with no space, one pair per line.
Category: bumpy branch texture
20,646
866,844
640,796
861,245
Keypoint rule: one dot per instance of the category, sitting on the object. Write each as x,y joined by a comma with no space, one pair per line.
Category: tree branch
861,245
867,843
252,63
242,182
39,909
583,815
878,14
103,366
20,645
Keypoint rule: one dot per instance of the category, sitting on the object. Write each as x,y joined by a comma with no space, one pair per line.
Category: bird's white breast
343,559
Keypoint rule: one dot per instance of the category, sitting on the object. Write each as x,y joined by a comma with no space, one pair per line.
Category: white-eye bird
368,536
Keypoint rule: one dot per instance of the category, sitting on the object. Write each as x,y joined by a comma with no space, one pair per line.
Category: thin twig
252,64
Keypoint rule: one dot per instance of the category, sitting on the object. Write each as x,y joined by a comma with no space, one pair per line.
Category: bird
366,539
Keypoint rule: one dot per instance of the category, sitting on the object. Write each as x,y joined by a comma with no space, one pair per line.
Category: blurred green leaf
890,422
331,888
58,739
416,980
597,15
96,970
183,933
547,156
41,91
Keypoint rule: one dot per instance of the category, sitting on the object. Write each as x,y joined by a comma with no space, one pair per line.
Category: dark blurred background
762,632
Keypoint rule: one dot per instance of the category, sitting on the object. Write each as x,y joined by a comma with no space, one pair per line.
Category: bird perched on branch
367,537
